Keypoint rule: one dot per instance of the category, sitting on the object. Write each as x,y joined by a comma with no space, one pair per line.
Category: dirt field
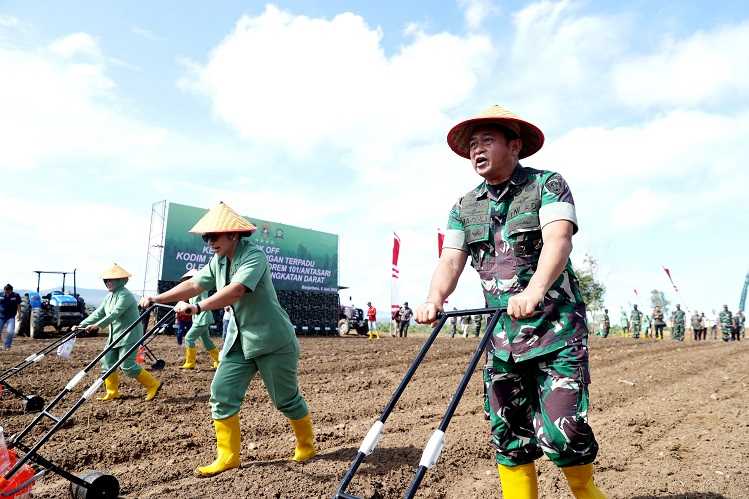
672,420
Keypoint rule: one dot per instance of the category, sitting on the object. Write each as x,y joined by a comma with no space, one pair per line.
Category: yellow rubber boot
112,384
151,384
214,357
227,447
305,439
518,482
580,479
190,354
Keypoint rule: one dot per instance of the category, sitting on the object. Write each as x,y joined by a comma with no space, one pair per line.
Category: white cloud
57,107
9,21
302,82
77,44
83,235
704,68
475,11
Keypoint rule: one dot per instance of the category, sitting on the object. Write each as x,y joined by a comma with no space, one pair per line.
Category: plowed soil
672,420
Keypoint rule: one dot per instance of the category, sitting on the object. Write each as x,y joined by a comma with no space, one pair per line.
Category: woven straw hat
190,273
115,272
460,135
220,219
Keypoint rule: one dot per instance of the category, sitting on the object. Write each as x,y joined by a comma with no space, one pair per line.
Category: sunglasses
210,238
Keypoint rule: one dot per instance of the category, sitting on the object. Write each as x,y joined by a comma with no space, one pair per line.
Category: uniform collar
519,177
240,249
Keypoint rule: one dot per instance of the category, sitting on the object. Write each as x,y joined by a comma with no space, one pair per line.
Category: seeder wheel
102,486
34,404
159,364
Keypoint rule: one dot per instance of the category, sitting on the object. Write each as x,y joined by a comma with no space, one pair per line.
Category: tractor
57,308
351,320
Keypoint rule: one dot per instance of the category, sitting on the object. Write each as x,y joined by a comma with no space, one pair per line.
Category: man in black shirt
9,302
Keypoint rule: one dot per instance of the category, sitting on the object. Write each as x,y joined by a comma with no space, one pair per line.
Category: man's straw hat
115,272
460,135
220,219
190,273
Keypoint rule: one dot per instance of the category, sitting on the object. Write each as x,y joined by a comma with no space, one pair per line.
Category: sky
333,116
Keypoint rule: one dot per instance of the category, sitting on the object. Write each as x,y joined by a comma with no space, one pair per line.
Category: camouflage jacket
606,321
679,317
726,319
636,317
500,228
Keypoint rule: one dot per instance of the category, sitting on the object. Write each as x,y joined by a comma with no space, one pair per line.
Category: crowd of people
732,326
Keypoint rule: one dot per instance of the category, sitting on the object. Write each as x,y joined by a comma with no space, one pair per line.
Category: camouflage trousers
677,332
635,330
726,332
540,406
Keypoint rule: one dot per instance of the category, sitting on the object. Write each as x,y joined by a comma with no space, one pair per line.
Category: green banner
300,259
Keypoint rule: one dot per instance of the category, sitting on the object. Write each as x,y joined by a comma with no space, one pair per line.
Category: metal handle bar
36,357
375,432
60,422
436,441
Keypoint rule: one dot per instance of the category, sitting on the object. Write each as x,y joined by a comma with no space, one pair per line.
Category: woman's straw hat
220,219
460,135
115,272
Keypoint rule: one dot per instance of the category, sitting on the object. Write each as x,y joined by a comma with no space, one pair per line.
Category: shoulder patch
556,184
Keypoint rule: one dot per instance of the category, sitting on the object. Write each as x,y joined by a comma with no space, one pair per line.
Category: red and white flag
668,273
440,241
395,274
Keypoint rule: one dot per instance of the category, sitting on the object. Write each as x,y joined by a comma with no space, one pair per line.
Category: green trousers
129,366
199,332
278,371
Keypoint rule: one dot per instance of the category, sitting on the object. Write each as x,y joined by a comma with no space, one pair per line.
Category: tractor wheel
24,326
343,327
39,319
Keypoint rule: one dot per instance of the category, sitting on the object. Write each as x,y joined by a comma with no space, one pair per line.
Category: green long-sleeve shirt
118,310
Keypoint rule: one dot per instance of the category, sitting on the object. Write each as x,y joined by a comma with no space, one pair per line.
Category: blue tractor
57,309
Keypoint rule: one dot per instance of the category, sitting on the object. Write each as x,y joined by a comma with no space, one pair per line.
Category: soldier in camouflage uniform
476,321
635,319
517,227
624,323
606,323
739,322
679,319
646,325
658,322
726,324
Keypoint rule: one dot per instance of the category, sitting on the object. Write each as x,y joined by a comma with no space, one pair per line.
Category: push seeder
32,403
436,442
92,484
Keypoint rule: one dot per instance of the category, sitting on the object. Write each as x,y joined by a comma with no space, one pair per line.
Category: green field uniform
201,324
726,324
740,319
260,336
679,320
536,367
646,322
118,311
636,321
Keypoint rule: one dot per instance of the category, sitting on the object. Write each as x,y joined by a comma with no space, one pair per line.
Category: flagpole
395,275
